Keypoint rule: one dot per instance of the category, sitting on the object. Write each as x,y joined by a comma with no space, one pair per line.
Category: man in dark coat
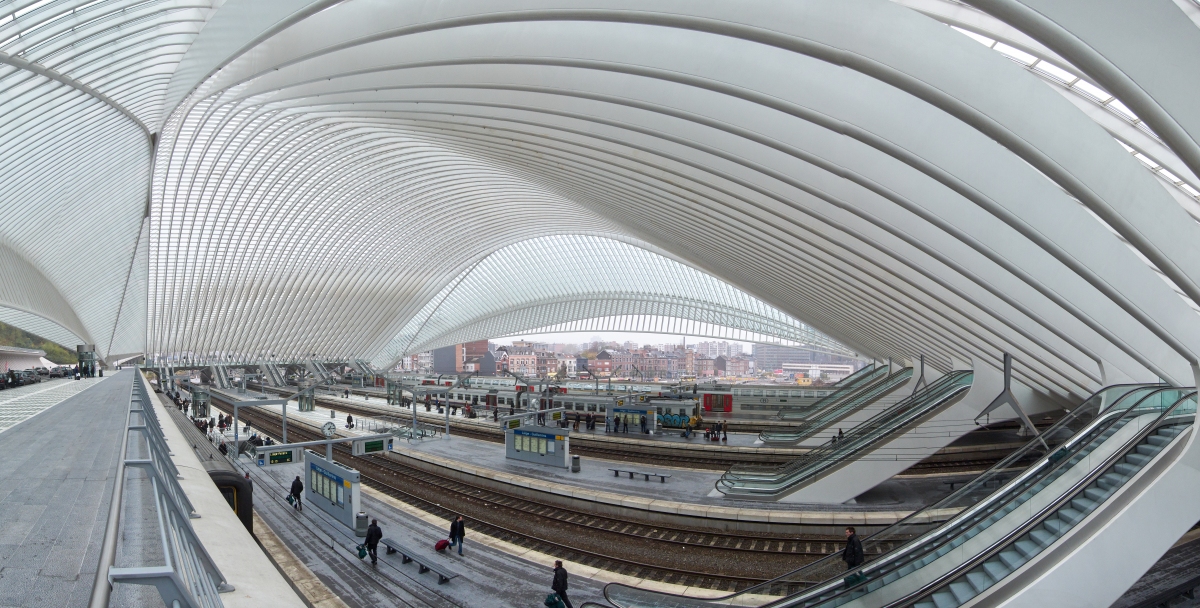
458,530
560,582
374,535
297,491
853,553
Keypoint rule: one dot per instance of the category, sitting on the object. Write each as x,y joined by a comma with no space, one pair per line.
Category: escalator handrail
936,394
839,389
1044,512
968,517
814,424
907,520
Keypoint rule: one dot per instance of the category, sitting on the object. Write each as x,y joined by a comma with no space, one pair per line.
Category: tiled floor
19,404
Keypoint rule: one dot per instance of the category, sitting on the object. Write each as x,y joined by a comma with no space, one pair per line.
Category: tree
562,370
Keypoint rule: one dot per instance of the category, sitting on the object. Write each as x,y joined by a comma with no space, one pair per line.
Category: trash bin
360,524
574,463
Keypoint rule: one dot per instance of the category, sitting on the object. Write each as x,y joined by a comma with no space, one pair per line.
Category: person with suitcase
297,491
374,535
559,585
458,529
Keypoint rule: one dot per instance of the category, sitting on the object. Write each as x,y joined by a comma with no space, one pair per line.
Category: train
478,391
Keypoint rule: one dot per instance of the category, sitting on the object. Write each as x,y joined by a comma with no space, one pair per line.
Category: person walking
297,491
840,435
559,585
853,553
458,530
374,535
349,421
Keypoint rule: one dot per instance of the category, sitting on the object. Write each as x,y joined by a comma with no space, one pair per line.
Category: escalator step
1070,515
1148,449
1125,469
996,569
1137,459
963,591
980,580
1170,431
1026,547
1011,559
1042,537
1158,440
945,599
1083,504
1055,525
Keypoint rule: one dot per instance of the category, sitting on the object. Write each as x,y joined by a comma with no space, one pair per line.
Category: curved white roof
322,174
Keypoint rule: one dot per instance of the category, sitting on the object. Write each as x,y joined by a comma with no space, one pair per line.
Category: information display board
332,487
541,444
362,447
266,456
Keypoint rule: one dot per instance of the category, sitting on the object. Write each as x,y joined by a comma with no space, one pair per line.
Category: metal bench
425,561
661,477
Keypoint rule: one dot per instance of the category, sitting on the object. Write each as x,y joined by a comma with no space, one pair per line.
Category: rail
189,578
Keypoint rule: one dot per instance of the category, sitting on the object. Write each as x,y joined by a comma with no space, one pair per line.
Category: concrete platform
685,494
256,580
494,573
56,483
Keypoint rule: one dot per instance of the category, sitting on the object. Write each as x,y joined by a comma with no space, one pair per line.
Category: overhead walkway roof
306,177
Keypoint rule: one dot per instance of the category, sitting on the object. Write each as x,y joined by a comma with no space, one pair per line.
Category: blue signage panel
331,487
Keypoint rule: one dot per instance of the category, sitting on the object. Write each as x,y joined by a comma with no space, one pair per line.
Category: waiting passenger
840,435
349,421
645,428
725,430
297,491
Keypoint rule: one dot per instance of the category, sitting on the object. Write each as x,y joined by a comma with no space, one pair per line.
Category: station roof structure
920,177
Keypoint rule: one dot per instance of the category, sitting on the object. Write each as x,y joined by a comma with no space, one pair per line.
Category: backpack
553,601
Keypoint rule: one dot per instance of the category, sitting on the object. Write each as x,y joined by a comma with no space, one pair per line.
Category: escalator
842,390
772,483
999,522
824,418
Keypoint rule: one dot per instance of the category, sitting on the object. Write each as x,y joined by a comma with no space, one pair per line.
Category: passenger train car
488,392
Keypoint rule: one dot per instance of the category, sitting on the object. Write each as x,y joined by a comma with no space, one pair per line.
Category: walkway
55,487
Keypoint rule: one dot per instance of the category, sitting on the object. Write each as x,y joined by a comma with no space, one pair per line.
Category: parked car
30,376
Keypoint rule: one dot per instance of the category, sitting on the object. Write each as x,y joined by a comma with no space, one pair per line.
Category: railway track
687,556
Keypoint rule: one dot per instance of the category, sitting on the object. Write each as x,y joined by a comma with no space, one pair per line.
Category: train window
603,409
769,394
591,407
758,392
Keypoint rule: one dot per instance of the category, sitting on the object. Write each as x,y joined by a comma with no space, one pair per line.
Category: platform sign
540,444
332,487
363,447
515,423
266,456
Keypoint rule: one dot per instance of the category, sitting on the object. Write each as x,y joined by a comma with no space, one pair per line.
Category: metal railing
189,578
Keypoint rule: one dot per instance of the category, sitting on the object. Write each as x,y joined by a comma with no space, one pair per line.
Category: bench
661,477
425,561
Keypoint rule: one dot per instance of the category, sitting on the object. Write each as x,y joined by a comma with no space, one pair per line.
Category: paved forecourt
56,480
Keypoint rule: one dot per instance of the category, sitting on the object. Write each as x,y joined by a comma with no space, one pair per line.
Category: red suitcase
441,545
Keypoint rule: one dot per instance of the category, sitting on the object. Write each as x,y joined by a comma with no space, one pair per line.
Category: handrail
1044,512
190,577
969,517
860,437
919,516
833,413
849,383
